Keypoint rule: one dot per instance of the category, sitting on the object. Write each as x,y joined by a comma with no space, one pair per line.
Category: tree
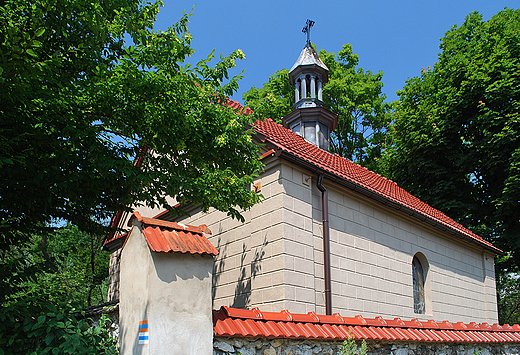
78,106
43,287
353,94
508,292
274,100
456,134
67,259
356,97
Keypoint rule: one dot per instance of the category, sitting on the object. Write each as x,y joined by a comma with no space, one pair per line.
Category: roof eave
381,199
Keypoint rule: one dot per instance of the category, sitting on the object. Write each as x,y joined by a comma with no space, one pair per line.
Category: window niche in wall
419,278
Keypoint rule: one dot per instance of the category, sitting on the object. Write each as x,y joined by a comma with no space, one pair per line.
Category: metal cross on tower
307,30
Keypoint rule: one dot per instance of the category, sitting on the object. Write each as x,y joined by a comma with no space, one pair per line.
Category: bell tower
310,119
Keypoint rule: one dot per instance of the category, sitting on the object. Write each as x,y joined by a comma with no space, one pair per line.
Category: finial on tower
307,30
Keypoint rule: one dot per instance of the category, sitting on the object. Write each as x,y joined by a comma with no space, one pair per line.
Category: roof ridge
238,106
167,224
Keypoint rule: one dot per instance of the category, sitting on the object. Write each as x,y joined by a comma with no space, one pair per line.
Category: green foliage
78,107
349,347
274,100
36,327
457,130
353,94
356,97
43,284
508,291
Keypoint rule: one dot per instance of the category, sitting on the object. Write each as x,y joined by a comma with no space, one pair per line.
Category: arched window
418,286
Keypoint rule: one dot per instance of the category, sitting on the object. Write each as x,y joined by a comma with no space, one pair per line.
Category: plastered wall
172,293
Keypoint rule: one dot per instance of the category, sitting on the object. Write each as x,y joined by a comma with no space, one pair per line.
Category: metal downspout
326,243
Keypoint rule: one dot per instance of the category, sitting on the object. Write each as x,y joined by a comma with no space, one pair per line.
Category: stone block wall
262,346
274,260
251,254
371,256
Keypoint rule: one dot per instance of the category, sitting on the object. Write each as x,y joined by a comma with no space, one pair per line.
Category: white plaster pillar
297,92
320,90
313,86
304,87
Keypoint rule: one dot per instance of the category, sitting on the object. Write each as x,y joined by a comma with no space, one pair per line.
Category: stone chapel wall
274,260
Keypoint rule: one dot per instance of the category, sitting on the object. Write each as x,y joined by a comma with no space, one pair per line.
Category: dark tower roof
308,61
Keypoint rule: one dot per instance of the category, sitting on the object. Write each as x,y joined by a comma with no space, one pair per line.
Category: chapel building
331,236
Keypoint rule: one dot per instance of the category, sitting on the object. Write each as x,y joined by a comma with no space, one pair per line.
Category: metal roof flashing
308,62
308,56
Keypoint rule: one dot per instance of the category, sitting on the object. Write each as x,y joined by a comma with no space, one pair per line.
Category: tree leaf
31,52
39,32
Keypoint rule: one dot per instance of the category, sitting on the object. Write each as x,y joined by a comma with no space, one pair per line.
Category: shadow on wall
243,286
218,267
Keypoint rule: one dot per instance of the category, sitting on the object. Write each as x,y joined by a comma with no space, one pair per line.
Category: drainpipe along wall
326,243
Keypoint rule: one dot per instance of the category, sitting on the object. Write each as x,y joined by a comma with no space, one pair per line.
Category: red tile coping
233,322
358,177
115,236
165,237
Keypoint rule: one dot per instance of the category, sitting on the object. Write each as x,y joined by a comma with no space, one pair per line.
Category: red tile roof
166,237
232,322
238,107
359,178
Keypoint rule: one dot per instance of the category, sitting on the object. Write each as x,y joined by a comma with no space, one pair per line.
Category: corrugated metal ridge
163,236
361,178
173,225
235,322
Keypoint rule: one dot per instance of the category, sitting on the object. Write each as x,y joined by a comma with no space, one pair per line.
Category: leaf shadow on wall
243,286
218,267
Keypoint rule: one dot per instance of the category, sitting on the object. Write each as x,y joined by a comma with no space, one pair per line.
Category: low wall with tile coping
263,346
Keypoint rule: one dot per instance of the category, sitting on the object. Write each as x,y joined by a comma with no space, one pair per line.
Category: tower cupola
310,119
307,76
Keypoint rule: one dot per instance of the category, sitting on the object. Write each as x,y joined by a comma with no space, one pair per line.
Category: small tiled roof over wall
292,146
243,323
172,237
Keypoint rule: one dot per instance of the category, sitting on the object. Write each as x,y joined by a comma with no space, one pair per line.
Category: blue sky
395,37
